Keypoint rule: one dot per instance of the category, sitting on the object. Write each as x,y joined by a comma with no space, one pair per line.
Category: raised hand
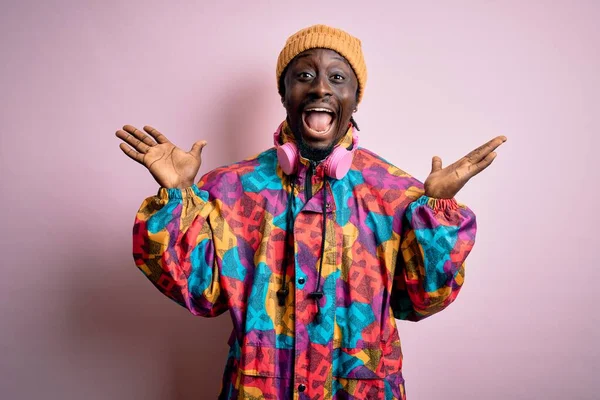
444,183
170,166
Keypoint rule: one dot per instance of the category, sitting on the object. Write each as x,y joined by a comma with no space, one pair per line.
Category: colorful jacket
390,252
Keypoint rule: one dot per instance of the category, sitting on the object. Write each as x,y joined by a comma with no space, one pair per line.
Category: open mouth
318,120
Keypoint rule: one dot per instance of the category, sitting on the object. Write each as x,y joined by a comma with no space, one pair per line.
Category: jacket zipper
308,181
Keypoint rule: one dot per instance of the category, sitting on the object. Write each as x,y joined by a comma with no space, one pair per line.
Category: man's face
320,97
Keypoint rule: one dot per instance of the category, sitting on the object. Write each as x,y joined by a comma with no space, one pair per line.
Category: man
315,245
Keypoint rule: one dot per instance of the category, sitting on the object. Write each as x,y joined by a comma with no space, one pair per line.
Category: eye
337,77
304,75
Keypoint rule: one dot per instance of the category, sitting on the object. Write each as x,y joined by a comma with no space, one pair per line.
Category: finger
136,138
436,164
131,153
140,135
197,147
132,141
482,151
483,164
159,137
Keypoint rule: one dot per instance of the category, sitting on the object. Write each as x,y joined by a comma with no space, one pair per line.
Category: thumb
197,148
436,164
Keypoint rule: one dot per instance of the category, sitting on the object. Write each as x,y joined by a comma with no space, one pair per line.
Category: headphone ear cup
339,163
287,155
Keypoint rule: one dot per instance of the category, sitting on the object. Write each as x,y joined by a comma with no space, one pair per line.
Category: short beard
308,152
313,154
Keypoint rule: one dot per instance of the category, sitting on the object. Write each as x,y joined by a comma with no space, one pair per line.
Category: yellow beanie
326,37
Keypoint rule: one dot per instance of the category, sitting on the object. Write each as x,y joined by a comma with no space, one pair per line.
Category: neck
313,154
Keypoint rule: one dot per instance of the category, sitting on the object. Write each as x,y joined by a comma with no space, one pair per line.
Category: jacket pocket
371,372
358,373
263,372
265,361
358,363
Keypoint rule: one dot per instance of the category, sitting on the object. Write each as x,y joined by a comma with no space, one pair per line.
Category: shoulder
380,183
379,172
236,176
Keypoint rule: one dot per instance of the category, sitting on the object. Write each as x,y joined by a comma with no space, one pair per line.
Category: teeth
320,110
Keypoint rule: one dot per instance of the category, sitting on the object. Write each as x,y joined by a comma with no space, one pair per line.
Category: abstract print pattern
390,252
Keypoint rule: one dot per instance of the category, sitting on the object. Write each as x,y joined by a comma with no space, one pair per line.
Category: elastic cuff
166,194
437,204
442,204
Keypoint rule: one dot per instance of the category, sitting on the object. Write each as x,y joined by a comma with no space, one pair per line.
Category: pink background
80,322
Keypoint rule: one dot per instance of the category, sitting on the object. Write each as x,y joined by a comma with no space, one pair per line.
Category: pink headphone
337,163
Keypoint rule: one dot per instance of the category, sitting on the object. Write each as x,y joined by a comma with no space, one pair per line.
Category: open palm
444,183
170,166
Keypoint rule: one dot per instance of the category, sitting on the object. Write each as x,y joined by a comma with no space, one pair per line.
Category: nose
321,86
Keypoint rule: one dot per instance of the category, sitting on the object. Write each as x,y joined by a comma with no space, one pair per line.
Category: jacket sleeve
174,246
437,235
